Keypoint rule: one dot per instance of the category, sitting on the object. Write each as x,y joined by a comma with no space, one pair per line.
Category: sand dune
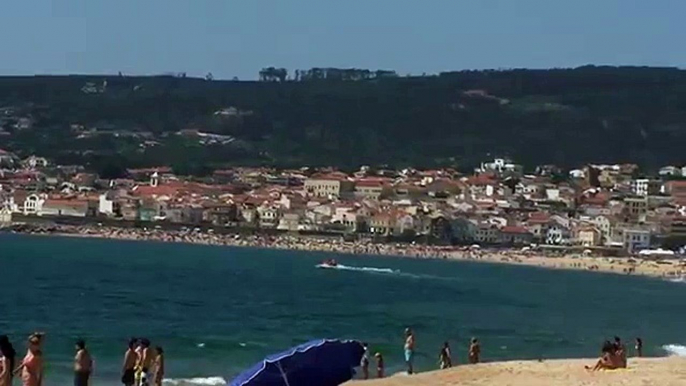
641,372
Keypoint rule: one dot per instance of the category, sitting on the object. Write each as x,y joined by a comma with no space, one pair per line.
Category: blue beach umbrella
317,363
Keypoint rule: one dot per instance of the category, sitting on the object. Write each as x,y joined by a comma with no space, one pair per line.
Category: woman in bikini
32,366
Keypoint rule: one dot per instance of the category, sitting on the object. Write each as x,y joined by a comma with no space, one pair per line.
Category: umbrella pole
283,374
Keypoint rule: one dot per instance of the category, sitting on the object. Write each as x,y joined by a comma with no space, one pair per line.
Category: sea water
218,310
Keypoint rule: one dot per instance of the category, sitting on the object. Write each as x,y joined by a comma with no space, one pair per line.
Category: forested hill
351,117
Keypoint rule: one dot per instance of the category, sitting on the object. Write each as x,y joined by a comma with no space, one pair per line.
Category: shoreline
667,269
665,371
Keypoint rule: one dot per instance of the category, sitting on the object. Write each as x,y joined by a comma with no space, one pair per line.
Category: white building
33,204
644,187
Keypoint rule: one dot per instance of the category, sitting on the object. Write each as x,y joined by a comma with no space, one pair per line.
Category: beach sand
641,372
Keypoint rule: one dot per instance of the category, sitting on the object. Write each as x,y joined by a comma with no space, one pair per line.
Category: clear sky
237,38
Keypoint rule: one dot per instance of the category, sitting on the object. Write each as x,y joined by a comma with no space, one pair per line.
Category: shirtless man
146,359
128,377
409,350
83,364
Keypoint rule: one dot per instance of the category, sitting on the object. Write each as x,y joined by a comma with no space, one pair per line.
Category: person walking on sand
128,373
7,361
379,365
83,364
409,350
444,357
159,366
474,351
31,368
639,347
364,363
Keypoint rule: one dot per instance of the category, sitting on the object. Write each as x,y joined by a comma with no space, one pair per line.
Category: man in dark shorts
83,364
128,377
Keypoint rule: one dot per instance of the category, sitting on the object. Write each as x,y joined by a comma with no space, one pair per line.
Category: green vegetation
348,117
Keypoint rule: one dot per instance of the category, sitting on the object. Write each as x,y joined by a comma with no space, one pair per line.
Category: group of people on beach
614,355
143,365
409,349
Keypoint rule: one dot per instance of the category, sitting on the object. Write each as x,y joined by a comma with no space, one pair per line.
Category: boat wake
675,350
209,381
342,267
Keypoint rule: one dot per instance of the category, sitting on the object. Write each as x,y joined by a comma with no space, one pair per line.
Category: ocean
218,310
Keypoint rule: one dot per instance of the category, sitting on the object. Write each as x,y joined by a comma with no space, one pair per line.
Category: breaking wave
675,350
209,381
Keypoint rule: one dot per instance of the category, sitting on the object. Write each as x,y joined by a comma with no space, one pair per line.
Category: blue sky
237,38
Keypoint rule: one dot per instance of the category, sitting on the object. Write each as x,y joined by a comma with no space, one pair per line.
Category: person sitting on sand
444,357
379,365
474,351
608,360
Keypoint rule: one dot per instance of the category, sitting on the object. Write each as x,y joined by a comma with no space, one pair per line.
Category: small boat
330,263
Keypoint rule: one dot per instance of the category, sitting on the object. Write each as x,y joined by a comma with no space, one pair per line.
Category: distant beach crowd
143,365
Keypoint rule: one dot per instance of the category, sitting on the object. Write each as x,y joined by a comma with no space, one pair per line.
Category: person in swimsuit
379,365
145,361
365,362
128,377
31,368
444,359
474,351
83,364
409,350
620,352
159,366
7,360
639,347
609,360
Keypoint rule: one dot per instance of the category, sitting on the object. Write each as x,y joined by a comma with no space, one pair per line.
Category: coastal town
610,210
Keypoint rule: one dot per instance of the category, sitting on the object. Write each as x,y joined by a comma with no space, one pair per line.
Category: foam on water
209,381
675,350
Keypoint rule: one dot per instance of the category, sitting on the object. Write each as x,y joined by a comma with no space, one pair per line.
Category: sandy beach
641,372
672,269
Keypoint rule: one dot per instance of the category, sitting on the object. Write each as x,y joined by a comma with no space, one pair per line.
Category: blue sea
218,310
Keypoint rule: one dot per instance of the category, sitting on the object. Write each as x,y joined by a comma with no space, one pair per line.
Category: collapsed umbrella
319,362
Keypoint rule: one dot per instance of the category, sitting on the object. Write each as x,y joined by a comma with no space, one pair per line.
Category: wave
209,381
681,279
675,350
342,267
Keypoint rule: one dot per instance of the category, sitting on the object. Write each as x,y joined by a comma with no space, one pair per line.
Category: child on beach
639,347
379,365
409,350
444,357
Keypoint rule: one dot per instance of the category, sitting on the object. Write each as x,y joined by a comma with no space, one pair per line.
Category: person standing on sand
379,365
639,347
364,363
409,350
83,364
444,357
620,352
128,376
31,368
7,361
474,351
159,366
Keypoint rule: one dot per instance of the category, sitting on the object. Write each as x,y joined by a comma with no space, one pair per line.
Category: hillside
566,117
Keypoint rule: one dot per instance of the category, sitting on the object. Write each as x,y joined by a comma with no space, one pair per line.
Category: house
487,234
666,171
108,205
464,231
589,236
329,185
515,235
645,187
604,225
268,216
636,239
66,207
221,214
557,234
382,224
636,207
5,216
369,188
33,204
